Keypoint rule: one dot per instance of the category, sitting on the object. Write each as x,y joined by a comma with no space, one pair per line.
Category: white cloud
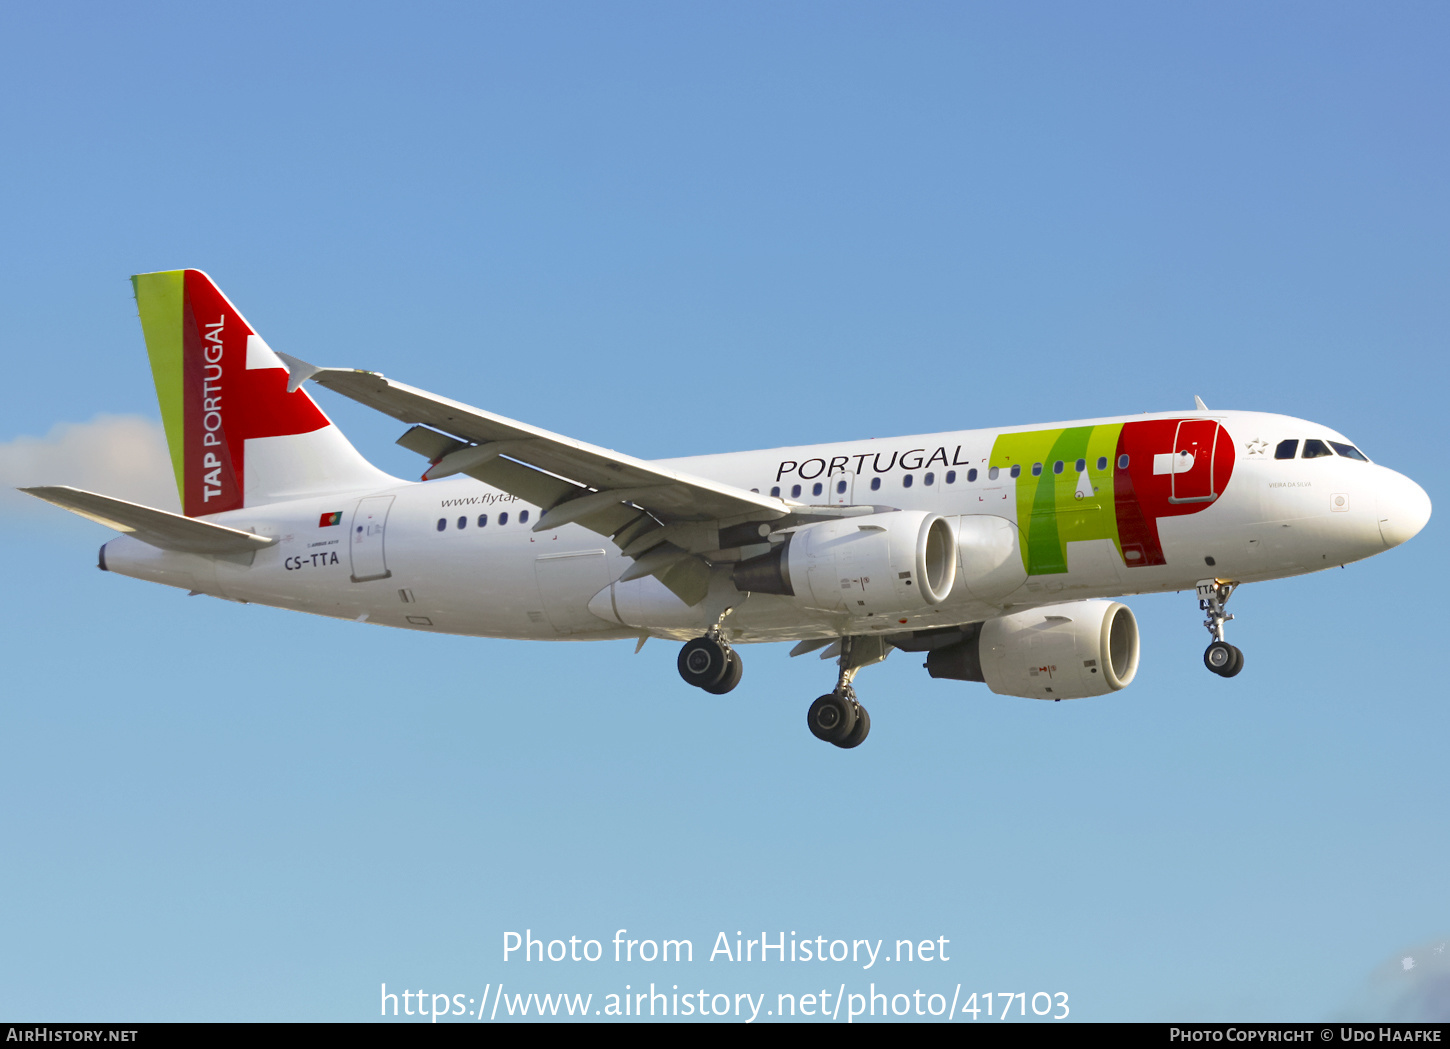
118,455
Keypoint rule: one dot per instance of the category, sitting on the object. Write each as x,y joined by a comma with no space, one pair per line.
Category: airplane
998,553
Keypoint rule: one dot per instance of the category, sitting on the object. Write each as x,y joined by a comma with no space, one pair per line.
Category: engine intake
1069,651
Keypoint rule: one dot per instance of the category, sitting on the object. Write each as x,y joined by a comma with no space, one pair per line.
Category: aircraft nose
1403,508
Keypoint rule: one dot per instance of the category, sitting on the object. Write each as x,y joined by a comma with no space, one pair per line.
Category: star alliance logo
1258,446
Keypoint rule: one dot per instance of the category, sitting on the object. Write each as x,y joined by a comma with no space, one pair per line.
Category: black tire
1219,657
831,718
703,662
731,678
1236,665
858,734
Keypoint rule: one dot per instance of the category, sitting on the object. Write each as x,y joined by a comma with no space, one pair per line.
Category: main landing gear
710,663
837,717
1223,659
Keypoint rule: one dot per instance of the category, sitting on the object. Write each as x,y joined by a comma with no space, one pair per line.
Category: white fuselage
456,556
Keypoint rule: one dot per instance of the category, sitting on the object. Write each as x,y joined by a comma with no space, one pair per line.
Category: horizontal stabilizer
157,527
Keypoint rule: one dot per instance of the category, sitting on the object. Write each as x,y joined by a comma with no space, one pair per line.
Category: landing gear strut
837,717
709,662
1223,659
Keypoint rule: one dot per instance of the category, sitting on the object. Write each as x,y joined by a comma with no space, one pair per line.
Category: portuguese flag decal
327,520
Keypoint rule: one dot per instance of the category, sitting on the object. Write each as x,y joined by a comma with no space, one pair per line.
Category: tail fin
237,437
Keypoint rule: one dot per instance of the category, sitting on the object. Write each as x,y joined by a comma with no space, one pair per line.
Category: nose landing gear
1223,659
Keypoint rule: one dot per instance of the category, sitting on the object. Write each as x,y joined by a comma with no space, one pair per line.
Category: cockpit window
1286,449
1349,451
1316,449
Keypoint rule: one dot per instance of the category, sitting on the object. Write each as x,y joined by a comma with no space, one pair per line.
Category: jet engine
1068,651
876,564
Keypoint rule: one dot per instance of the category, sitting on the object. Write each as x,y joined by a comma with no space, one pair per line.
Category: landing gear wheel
704,662
1223,659
731,678
832,718
858,734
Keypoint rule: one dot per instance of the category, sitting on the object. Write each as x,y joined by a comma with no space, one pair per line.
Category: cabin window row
502,519
1059,467
929,479
841,486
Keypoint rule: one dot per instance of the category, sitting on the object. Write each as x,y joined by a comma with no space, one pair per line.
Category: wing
666,520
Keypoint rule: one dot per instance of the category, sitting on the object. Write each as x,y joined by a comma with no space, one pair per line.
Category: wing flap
159,528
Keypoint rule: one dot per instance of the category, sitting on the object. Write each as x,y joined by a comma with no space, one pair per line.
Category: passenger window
1102,462
463,522
876,484
1123,461
991,474
816,488
442,523
1036,469
1016,470
972,474
1349,451
503,519
1080,465
523,516
951,477
929,480
775,491
755,490
795,490
906,481
1057,467
1316,449
482,520
840,487
1286,449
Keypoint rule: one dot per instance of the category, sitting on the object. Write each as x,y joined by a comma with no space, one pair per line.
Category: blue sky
676,229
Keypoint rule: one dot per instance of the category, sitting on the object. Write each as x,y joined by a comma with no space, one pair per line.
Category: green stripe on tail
160,301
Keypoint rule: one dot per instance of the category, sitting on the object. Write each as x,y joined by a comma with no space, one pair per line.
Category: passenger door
369,525
1191,462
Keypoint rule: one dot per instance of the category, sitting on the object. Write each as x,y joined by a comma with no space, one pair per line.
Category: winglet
1198,403
298,370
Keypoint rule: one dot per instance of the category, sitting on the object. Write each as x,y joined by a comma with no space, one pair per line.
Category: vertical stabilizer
237,437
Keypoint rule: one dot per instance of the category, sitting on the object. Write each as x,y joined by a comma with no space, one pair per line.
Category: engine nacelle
876,564
1069,651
